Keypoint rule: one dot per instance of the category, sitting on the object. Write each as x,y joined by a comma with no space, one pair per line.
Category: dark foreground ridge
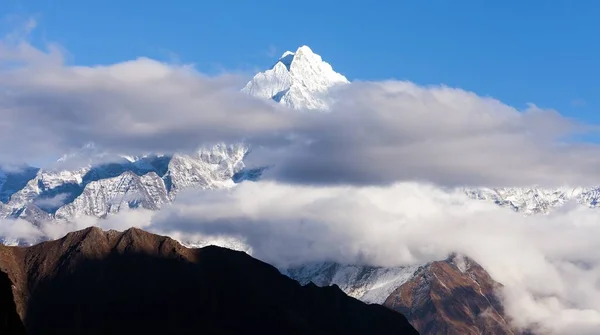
134,282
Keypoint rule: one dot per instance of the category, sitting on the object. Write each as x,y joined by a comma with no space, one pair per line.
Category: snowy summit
299,80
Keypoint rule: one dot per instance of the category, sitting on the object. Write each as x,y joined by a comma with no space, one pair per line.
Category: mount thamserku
299,79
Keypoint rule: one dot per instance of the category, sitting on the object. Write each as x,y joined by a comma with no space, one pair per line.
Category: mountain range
90,183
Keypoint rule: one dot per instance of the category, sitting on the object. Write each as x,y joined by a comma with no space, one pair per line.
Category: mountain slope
109,196
455,296
134,282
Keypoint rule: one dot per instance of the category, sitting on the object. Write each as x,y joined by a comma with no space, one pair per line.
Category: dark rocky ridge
134,282
10,322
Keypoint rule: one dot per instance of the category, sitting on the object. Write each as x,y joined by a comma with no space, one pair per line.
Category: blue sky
545,52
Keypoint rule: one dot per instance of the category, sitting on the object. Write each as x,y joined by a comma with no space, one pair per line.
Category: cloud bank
548,264
383,132
377,132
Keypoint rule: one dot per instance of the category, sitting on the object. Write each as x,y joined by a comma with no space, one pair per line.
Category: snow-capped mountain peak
298,79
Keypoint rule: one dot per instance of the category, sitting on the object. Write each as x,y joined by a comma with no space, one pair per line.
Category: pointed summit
299,80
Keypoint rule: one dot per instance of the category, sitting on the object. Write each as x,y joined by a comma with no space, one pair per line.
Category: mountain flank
454,296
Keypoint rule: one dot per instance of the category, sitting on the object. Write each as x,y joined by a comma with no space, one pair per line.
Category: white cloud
52,202
377,132
131,107
547,263
382,132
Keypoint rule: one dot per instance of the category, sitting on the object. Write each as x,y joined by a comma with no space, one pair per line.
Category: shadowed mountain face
96,282
10,323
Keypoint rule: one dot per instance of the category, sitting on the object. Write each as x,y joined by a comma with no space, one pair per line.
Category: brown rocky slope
134,282
454,296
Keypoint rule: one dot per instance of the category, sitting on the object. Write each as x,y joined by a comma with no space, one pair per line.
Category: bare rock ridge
133,282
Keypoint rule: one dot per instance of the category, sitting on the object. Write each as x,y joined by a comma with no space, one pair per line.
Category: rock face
134,282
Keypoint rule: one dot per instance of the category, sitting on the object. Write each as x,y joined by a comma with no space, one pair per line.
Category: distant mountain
134,282
99,185
300,80
537,200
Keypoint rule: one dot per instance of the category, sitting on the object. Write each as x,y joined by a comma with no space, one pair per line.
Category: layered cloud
382,132
130,108
547,264
376,133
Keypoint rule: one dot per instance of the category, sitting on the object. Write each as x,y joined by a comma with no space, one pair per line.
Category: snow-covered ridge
299,80
536,200
366,283
99,190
